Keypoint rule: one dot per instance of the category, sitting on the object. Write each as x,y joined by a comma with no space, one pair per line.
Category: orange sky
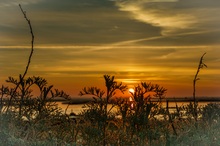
77,42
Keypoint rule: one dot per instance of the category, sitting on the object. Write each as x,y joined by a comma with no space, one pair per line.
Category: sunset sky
78,41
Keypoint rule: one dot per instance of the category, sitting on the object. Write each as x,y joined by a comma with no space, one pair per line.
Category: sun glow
131,90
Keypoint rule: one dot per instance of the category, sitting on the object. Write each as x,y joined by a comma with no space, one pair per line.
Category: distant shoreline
168,99
81,100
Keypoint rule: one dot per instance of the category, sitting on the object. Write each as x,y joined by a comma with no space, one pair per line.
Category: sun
131,90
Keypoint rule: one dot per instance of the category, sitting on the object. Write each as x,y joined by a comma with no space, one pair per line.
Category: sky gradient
78,41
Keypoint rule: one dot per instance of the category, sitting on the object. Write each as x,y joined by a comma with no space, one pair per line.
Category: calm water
77,108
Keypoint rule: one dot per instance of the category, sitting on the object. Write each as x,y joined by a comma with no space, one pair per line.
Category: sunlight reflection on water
76,108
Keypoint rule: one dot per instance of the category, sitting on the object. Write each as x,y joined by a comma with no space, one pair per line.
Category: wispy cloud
159,14
173,16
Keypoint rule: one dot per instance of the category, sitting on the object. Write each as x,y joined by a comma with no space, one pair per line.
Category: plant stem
201,65
29,59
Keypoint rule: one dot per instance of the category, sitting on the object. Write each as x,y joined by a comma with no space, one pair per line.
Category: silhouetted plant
8,117
124,108
4,93
36,116
25,118
97,111
210,113
200,66
29,59
23,91
146,100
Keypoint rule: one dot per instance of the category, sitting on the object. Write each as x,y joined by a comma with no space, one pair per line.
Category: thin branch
32,41
29,59
200,66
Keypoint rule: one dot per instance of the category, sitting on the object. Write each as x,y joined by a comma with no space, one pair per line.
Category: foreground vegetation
39,121
31,121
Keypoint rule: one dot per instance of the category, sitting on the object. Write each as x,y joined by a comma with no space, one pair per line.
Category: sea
78,108
75,108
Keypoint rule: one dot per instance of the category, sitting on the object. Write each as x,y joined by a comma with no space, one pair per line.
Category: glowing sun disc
131,90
